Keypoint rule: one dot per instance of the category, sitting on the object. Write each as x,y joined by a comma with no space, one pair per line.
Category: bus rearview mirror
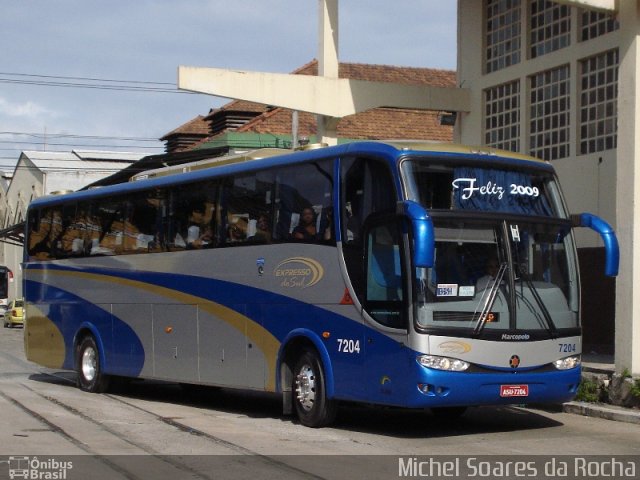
423,234
608,235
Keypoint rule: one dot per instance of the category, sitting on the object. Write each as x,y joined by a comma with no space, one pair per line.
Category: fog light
425,388
567,362
443,363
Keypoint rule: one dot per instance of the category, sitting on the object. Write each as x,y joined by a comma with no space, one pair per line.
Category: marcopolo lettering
510,336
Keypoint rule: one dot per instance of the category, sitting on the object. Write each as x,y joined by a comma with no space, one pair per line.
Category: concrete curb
607,412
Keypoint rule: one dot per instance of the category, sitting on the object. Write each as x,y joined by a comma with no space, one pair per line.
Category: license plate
514,390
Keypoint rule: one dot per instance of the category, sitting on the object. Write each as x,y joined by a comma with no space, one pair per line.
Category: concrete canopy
326,95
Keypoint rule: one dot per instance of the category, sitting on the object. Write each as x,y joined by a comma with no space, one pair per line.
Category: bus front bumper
441,389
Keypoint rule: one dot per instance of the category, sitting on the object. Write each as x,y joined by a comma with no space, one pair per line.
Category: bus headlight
567,362
443,363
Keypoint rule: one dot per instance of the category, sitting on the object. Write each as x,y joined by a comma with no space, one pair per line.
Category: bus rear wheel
89,368
312,406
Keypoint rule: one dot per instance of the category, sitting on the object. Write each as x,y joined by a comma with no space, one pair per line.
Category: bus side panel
224,351
175,335
257,373
131,354
43,341
58,309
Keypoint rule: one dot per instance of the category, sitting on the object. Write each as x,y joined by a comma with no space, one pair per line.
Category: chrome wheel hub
306,387
89,364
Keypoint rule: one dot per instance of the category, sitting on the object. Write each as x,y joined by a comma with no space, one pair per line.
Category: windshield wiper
490,299
551,327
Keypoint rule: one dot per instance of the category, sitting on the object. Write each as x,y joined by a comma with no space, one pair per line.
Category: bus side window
68,232
248,206
105,225
191,219
304,203
143,223
367,188
39,234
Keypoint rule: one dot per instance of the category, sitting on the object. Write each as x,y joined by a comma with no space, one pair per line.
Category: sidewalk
603,410
596,363
601,364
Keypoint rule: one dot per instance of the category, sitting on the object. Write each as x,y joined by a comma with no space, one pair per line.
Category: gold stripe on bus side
258,334
43,342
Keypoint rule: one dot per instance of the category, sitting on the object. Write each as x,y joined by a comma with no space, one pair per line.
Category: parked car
15,313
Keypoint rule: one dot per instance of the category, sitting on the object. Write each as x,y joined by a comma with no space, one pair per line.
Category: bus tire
89,368
310,400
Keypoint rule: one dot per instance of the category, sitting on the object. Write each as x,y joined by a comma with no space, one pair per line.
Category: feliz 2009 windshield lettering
470,187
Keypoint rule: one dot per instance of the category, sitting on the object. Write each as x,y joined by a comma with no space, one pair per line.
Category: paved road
149,429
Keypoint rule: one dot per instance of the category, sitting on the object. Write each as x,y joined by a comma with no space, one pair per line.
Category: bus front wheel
312,406
89,368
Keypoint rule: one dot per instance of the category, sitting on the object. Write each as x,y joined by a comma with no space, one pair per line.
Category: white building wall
43,173
61,181
602,183
594,190
628,192
26,184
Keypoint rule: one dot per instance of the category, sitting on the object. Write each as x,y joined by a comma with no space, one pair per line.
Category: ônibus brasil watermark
34,468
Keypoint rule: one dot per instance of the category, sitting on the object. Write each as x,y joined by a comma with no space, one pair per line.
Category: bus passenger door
386,311
372,250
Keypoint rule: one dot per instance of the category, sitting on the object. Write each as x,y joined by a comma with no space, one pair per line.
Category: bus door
385,310
372,249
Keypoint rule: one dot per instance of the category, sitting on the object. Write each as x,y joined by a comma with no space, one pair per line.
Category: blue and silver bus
400,274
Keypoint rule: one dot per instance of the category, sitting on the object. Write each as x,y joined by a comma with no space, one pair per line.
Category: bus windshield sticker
515,233
467,291
447,290
498,190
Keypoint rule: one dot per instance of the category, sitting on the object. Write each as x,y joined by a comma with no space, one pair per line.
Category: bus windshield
503,252
482,188
499,275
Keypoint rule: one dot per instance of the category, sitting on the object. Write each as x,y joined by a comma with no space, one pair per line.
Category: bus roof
392,151
209,163
460,149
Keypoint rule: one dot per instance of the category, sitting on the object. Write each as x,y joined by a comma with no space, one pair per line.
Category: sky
101,75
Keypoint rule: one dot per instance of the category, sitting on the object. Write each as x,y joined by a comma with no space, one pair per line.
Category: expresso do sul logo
454,347
298,272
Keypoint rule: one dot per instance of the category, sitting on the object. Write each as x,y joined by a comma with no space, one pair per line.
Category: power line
83,78
71,135
65,144
97,83
76,145
121,88
87,141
